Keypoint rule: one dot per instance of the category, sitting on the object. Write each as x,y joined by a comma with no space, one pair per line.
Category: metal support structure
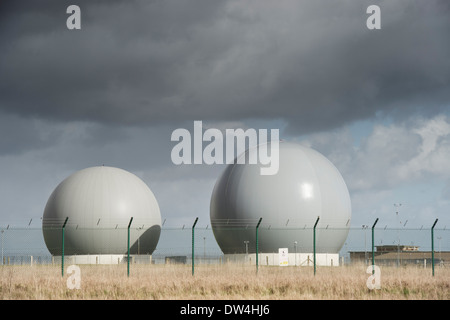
373,246
62,253
193,227
432,245
314,244
128,248
257,252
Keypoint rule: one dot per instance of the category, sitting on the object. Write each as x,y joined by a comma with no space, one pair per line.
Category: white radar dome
99,203
307,186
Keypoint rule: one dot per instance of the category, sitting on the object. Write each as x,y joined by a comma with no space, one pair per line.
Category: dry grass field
225,282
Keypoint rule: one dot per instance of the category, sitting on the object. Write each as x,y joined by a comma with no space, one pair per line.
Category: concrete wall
102,259
294,259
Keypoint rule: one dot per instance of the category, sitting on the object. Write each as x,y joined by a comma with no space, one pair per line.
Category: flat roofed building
402,255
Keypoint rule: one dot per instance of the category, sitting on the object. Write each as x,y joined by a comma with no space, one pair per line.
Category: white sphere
99,203
307,186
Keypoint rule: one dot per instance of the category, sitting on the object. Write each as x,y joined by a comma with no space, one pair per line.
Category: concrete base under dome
294,259
102,259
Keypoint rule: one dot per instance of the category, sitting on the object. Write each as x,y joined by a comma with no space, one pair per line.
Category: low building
400,255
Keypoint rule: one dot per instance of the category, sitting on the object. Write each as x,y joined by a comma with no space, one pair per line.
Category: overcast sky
375,102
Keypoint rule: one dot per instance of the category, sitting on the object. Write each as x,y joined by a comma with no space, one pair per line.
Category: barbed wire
294,223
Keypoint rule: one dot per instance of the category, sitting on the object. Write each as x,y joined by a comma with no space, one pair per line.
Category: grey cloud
392,155
312,63
19,135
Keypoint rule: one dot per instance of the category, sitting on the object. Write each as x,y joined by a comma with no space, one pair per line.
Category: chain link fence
195,246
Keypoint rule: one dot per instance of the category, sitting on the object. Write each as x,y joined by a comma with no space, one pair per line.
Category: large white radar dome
99,203
307,186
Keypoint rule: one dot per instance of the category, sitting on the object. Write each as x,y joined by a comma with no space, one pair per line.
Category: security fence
250,243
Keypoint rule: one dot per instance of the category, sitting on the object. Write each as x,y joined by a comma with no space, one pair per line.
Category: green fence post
314,244
128,248
373,246
62,255
193,226
257,252
432,245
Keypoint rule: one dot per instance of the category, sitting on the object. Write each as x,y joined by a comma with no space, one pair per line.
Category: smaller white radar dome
99,203
307,186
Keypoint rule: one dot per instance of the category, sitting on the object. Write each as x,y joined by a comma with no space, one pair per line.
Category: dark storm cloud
312,63
18,135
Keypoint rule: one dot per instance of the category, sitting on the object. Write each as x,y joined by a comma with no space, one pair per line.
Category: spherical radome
99,203
307,186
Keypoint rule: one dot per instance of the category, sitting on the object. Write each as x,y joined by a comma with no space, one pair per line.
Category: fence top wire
277,223
267,223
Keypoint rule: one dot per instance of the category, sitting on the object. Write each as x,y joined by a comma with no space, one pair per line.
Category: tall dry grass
225,282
